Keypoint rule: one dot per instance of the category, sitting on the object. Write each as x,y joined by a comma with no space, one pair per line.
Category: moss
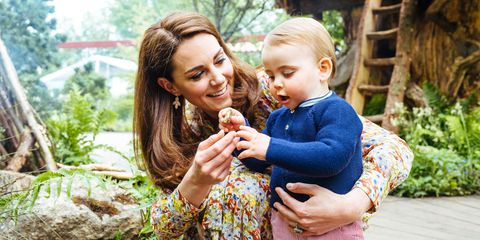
98,207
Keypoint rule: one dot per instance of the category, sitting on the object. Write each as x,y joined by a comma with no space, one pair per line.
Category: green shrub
145,193
376,105
74,129
439,172
445,139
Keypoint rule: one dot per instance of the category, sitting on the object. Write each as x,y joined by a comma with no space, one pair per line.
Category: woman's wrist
192,190
356,204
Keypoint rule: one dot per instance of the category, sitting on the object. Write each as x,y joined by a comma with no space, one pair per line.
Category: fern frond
435,98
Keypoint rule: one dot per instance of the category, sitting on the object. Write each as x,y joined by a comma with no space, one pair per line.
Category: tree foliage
333,22
232,16
28,33
89,84
129,24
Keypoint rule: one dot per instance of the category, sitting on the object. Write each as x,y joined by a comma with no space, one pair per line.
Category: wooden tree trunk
445,45
446,50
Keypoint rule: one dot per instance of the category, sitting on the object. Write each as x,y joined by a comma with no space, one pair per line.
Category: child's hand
230,119
254,143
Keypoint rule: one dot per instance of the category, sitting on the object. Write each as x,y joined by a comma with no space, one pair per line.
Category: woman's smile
218,93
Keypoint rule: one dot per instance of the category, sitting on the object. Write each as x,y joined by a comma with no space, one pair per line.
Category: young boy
315,136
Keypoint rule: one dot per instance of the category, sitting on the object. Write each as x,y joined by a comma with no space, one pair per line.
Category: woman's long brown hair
162,136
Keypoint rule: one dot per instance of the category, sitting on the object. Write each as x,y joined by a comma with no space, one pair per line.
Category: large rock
106,212
13,181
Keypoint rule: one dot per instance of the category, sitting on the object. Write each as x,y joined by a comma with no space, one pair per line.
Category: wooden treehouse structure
369,34
360,84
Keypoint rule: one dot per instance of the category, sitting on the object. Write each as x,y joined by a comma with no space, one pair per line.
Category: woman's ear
325,66
167,85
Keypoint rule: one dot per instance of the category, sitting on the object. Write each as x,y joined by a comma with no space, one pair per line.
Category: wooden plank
386,34
372,89
428,218
375,118
471,202
460,205
378,232
411,225
361,73
401,71
376,62
387,9
449,214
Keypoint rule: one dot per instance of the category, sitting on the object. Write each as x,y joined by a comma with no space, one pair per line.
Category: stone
106,212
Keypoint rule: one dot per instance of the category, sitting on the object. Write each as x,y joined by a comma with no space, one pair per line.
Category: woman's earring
176,103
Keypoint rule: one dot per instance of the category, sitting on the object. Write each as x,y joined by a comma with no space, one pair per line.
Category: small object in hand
227,116
297,229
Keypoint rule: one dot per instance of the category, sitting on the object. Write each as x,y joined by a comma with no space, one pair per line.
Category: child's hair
306,31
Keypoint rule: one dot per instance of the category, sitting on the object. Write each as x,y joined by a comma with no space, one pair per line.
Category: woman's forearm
193,191
172,214
387,162
357,202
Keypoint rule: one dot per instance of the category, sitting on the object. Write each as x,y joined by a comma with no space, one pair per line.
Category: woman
205,192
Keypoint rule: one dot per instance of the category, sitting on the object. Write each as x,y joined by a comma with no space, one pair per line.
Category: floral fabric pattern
238,208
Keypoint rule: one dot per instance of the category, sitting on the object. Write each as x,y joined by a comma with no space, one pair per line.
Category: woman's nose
217,77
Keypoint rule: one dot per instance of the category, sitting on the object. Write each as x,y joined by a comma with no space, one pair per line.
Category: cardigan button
286,127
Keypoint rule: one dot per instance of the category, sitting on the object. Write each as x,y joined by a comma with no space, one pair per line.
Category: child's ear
168,86
325,66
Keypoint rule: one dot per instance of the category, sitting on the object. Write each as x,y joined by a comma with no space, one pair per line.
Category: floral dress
238,207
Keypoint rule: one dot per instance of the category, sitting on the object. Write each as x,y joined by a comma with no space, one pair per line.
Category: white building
113,69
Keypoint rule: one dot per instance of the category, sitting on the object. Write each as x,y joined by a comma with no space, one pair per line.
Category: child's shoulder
333,103
278,112
332,100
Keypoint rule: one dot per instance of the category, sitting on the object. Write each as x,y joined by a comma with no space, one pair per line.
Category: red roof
252,38
97,44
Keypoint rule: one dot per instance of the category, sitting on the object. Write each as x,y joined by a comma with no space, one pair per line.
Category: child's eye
288,74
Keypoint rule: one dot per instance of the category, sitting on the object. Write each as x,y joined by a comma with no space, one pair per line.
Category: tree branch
25,107
459,69
20,157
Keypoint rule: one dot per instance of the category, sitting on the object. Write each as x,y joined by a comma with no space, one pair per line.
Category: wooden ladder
359,85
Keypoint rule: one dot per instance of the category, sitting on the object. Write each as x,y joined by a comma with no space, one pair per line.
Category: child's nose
277,84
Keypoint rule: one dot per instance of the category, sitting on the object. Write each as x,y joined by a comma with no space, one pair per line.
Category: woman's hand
211,165
254,143
324,211
230,119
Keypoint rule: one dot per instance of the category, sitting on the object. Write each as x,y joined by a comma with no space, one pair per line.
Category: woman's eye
220,60
197,75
